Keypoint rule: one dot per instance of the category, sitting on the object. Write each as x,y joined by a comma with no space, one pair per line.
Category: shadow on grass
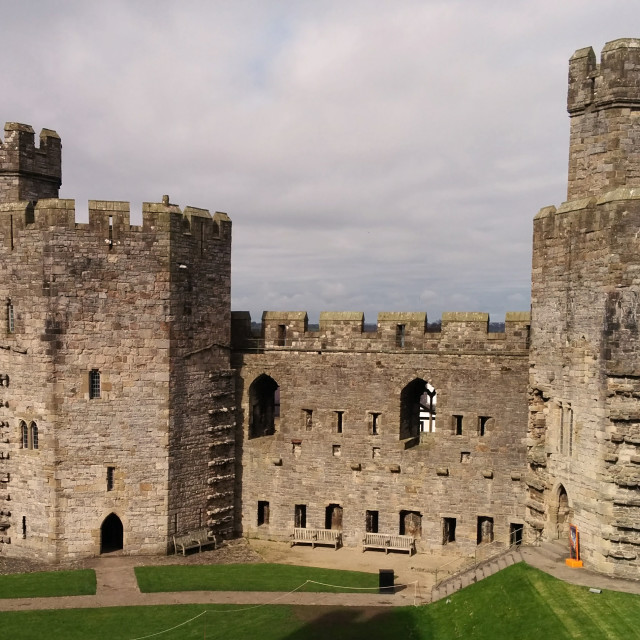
355,623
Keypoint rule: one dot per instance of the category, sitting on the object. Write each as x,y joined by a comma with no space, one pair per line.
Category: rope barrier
273,601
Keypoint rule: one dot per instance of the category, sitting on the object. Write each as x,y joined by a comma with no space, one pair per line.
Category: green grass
48,584
519,603
251,577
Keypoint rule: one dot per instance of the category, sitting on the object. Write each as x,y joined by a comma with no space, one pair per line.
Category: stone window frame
374,421
95,386
24,435
29,435
111,477
34,440
11,324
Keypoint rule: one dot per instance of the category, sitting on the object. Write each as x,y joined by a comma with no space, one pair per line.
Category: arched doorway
111,534
564,514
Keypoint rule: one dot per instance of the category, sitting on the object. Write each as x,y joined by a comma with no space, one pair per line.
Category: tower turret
604,105
28,172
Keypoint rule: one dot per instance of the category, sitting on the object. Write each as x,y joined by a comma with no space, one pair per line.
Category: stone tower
114,366
27,172
584,429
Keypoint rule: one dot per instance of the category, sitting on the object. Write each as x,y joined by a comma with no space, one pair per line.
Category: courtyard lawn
48,584
519,603
252,577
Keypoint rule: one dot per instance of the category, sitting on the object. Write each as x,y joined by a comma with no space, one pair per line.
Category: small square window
337,450
375,452
307,419
94,384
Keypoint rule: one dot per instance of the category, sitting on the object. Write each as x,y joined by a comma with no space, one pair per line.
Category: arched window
24,435
264,402
417,409
33,427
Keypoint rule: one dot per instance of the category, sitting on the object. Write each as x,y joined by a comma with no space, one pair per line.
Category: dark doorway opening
111,534
448,530
300,516
411,524
485,529
333,517
371,522
515,534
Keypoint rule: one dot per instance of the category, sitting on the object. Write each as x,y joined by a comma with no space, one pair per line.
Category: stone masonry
134,405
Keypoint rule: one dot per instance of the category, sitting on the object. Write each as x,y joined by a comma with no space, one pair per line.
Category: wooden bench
388,542
193,540
316,536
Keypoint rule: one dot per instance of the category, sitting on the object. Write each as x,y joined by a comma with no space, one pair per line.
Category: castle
135,405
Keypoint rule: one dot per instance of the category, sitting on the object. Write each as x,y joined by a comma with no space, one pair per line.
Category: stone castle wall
584,432
106,296
308,461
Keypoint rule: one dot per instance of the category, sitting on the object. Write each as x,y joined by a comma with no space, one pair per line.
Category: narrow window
483,421
448,530
570,431
94,384
175,523
11,230
10,320
276,403
200,517
339,421
307,419
34,435
24,526
282,335
374,423
371,522
296,447
457,424
485,530
561,443
515,534
201,237
110,232
110,474
400,335
263,512
24,435
337,450
300,516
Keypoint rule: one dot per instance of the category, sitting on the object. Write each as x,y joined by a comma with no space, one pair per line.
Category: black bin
385,582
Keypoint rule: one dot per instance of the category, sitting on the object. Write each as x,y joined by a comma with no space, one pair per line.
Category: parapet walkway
117,587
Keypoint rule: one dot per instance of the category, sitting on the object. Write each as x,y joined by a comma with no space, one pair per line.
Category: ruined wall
340,368
583,431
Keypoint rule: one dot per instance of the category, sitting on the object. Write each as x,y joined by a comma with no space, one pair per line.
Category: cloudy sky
374,155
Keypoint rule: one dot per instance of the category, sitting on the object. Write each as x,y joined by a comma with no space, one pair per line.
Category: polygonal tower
584,428
114,365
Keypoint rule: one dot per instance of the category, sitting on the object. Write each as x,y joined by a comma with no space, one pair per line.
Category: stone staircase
475,573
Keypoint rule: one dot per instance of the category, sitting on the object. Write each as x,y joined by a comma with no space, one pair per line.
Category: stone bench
193,540
316,536
388,542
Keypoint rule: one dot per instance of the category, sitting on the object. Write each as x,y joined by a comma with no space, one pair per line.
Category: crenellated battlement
613,82
109,222
395,331
28,172
604,103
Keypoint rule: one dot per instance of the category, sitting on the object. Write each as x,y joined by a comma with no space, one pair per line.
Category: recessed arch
417,408
264,403
111,534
